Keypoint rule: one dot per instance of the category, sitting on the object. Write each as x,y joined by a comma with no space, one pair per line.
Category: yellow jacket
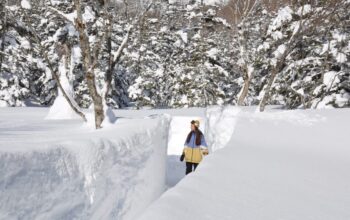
194,155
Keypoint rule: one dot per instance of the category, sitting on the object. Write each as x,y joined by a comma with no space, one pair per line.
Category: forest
172,54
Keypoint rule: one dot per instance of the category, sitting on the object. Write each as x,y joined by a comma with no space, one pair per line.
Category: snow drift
61,170
277,165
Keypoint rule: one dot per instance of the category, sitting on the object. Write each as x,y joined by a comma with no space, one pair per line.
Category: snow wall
111,174
220,125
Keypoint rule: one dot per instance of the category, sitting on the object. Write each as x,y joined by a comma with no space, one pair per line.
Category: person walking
194,148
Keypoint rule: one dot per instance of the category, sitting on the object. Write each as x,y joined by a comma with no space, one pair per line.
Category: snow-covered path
278,165
179,128
175,170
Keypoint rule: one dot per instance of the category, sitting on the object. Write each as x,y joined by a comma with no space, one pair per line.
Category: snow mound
56,170
272,168
61,110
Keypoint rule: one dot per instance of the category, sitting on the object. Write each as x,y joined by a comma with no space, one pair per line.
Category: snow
341,100
222,21
183,36
284,15
26,4
70,17
330,79
220,126
304,10
213,2
324,103
264,46
280,51
277,165
341,58
212,53
62,170
89,14
61,108
339,37
3,103
25,44
276,35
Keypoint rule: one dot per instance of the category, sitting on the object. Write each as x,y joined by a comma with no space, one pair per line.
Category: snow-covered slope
64,170
288,165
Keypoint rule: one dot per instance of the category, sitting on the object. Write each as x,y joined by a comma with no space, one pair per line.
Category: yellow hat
196,123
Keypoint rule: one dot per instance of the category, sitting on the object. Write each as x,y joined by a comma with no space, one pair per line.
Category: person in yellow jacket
194,148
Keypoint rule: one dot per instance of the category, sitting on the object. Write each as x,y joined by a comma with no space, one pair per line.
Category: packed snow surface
278,164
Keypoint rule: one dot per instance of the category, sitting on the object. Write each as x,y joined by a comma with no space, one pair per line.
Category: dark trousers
190,166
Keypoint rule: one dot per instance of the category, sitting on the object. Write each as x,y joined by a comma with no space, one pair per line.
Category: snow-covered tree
294,58
291,57
184,61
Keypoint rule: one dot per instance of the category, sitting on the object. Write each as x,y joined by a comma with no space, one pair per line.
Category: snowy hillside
277,165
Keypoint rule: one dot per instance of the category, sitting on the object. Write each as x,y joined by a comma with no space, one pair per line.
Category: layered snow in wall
277,165
63,170
220,123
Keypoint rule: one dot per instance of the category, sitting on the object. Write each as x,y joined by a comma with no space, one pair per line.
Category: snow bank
60,170
277,165
220,124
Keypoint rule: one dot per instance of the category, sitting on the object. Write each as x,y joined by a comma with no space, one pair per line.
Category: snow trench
276,165
216,122
114,174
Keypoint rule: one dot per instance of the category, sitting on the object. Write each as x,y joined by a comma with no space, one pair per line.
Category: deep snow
272,165
277,165
62,169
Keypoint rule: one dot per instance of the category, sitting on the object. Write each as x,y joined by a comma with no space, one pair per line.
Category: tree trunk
245,88
89,66
266,96
96,98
